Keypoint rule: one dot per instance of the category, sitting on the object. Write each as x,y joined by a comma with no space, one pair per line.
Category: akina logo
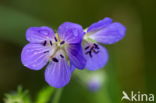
138,96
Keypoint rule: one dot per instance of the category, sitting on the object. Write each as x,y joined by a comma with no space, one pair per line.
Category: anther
55,39
86,47
55,59
96,46
62,42
44,43
90,54
96,52
46,51
51,43
61,56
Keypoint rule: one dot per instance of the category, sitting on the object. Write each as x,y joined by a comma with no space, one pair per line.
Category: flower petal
100,24
97,60
58,74
70,32
72,68
34,56
110,34
39,34
76,56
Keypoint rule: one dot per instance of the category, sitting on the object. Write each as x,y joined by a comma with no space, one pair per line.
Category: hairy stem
57,95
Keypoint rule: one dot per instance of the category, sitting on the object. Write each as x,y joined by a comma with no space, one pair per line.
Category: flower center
57,48
58,42
92,48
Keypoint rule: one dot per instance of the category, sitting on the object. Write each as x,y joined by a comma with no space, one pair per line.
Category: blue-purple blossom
95,81
105,32
61,51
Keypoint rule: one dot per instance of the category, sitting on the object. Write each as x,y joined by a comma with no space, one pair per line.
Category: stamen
91,48
96,52
46,51
44,43
87,52
61,56
96,46
55,59
55,39
90,54
86,47
51,43
62,42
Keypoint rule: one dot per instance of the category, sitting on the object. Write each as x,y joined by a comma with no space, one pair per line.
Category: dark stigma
55,59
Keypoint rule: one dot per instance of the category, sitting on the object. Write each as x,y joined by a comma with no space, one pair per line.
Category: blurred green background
132,61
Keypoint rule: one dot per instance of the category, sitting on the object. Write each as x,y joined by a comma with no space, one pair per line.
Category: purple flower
95,82
106,32
61,51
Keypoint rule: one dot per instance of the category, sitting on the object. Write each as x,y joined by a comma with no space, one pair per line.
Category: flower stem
57,95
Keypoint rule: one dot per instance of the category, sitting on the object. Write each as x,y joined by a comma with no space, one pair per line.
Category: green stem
57,95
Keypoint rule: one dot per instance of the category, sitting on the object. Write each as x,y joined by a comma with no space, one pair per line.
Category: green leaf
45,95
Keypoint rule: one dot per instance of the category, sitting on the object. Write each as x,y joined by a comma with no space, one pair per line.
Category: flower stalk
57,95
